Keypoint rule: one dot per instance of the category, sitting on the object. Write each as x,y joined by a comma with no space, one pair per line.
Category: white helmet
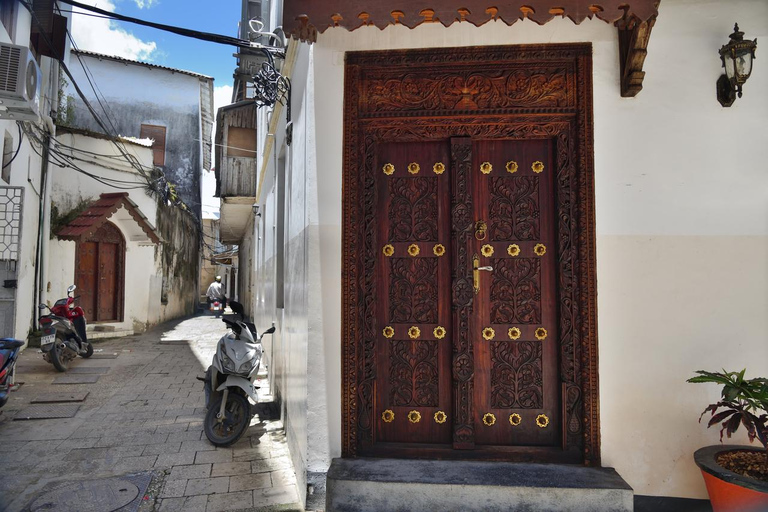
218,279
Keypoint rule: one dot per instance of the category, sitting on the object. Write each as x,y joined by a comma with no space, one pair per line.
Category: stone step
95,335
394,485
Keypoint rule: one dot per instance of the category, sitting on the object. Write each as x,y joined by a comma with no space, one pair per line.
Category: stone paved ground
144,414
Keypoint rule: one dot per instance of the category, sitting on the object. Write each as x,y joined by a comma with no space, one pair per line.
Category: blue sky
220,17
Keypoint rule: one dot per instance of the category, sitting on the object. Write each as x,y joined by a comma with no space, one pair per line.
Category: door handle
476,268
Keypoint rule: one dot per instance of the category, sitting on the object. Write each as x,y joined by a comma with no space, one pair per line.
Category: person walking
216,293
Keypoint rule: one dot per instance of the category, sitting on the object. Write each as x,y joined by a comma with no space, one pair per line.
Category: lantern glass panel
743,65
728,62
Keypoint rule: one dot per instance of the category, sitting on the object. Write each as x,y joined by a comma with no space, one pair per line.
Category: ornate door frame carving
512,92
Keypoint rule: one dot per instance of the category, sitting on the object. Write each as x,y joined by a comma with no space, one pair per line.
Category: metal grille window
11,201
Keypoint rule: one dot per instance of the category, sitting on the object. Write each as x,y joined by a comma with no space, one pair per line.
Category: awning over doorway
304,19
101,210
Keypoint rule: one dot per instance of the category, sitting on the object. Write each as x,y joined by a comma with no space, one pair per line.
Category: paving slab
105,356
47,411
76,379
89,370
49,398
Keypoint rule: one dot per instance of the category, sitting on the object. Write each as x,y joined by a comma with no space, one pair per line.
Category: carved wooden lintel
634,35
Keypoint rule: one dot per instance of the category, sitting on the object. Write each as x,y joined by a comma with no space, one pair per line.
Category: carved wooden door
86,278
448,154
513,325
511,348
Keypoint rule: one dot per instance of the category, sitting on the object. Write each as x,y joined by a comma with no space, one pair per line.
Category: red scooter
64,335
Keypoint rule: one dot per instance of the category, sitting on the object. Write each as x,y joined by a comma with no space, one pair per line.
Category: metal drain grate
47,411
76,379
98,370
50,398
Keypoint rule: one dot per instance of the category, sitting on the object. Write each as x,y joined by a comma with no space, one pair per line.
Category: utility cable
196,34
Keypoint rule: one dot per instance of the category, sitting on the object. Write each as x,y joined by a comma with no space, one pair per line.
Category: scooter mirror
41,307
237,308
71,289
270,330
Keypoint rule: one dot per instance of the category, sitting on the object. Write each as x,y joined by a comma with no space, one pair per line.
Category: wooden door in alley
99,277
469,302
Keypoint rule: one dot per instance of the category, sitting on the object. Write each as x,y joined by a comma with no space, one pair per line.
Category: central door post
463,363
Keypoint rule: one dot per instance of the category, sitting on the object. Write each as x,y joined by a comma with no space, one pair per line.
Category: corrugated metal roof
89,221
147,64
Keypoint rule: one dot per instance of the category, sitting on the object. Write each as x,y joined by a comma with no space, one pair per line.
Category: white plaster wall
682,224
26,173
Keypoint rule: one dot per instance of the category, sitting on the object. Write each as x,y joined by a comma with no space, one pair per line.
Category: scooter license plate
47,339
215,308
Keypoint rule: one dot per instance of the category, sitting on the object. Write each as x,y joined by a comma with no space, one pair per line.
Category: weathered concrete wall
136,94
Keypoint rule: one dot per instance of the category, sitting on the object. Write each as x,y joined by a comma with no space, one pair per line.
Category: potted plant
736,476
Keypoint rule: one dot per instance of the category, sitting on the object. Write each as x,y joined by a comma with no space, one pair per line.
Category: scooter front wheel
227,430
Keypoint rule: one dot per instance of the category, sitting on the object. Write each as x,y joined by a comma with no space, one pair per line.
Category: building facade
595,189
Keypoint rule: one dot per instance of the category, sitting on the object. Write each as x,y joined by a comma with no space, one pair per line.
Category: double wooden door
99,277
507,310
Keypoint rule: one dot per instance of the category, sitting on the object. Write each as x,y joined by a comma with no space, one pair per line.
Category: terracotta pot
729,491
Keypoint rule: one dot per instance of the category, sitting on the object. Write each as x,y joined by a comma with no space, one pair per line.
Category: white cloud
222,95
141,4
108,37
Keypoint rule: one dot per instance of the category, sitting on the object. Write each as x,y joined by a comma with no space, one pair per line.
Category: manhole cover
95,496
46,411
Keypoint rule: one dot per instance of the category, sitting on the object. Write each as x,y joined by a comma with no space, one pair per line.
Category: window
157,134
8,152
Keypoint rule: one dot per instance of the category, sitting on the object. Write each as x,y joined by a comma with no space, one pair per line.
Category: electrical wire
196,34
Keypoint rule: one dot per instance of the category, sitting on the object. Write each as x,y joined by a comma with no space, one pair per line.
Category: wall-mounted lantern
737,58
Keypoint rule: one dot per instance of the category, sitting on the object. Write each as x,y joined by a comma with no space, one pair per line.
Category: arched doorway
100,274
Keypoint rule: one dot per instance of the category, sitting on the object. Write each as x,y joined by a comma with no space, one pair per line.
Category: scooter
229,381
216,308
64,336
9,354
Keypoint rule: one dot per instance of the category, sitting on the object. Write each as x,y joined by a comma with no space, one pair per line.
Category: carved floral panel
413,290
516,375
413,209
516,291
413,373
469,90
514,208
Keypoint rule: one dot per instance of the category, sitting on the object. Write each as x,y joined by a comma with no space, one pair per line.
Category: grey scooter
229,380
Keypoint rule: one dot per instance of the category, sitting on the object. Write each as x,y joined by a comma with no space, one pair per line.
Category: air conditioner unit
20,79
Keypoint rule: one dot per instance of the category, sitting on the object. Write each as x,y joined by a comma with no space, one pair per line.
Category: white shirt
215,291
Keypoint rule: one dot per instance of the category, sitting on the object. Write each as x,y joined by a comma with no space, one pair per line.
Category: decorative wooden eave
304,19
89,221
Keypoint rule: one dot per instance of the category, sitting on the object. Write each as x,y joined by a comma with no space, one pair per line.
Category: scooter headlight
228,364
246,367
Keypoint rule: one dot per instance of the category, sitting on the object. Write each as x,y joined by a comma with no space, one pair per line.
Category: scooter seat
10,343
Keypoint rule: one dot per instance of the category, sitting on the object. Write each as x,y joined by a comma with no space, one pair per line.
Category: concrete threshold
400,485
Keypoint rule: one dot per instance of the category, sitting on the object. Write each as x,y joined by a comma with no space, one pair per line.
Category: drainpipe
44,214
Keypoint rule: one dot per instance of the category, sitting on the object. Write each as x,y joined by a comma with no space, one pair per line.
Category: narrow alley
135,410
